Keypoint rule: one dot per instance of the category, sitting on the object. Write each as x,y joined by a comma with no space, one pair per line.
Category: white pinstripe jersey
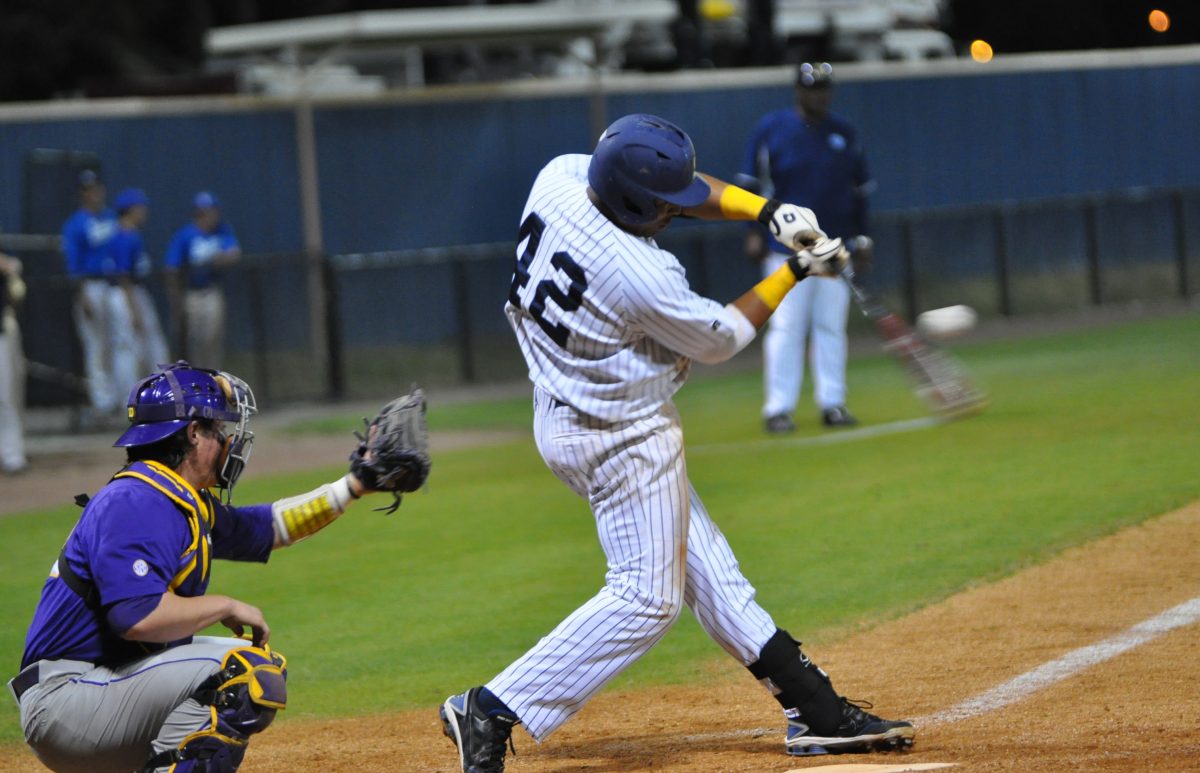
605,319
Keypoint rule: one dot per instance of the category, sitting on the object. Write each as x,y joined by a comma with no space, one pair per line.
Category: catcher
113,677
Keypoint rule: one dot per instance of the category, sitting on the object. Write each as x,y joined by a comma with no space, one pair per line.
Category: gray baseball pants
84,718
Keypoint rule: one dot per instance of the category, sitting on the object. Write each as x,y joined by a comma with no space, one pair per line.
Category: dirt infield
1134,712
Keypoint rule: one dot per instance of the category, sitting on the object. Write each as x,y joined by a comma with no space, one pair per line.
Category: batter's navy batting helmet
165,402
815,75
640,160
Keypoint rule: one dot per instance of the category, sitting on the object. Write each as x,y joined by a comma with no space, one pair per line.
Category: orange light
981,51
1159,21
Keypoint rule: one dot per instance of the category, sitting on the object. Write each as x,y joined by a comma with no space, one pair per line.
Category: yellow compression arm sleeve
772,290
296,518
740,204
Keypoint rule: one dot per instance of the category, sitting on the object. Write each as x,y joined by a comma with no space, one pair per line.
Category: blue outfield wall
418,171
247,158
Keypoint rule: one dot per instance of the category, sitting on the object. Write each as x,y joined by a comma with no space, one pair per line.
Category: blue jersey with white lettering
85,239
195,250
819,166
129,254
145,533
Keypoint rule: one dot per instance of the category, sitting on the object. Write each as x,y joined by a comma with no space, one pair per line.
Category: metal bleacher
370,51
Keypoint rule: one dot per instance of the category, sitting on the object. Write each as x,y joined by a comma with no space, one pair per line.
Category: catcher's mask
165,402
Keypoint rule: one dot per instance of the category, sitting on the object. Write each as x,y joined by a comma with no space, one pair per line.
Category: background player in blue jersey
197,253
813,158
99,303
134,268
113,679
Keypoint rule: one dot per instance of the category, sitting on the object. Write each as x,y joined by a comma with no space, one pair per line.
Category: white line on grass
839,436
1073,662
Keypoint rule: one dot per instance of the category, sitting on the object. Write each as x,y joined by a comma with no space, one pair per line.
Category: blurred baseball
947,322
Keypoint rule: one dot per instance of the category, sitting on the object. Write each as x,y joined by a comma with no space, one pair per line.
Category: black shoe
779,424
481,739
837,417
859,732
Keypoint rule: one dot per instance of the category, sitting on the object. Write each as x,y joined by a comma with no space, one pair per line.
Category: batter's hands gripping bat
940,380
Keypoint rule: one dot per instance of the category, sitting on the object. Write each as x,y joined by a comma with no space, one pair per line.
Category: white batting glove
826,257
792,226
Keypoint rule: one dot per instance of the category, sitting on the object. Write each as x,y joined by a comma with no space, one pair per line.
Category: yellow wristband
740,204
772,290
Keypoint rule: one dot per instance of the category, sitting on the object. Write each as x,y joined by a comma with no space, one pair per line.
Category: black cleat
860,732
837,416
481,739
779,424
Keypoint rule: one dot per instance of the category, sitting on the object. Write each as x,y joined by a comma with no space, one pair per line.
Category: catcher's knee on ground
242,699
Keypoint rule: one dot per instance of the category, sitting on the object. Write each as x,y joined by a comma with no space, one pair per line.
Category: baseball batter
113,679
812,157
609,328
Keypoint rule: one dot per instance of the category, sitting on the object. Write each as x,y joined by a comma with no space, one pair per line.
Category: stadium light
981,51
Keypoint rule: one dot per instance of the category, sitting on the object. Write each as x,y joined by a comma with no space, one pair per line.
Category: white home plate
903,767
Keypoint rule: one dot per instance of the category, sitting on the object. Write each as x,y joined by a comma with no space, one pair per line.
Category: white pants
151,344
817,305
12,394
205,311
663,552
109,344
83,718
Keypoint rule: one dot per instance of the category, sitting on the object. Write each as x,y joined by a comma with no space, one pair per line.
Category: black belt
26,679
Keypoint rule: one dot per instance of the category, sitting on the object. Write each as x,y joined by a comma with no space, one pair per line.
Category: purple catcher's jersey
146,532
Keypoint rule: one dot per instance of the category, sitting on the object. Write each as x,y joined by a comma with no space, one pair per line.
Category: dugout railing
367,324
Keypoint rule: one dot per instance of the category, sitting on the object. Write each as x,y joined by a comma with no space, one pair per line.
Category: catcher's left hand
394,454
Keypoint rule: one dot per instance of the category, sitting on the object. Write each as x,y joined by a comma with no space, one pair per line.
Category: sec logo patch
141,568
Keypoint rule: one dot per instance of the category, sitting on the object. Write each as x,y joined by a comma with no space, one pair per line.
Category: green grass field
1087,432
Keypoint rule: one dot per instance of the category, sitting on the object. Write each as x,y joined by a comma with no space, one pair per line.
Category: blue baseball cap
129,198
205,200
88,178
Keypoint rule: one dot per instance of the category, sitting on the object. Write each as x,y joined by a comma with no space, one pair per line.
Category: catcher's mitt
394,454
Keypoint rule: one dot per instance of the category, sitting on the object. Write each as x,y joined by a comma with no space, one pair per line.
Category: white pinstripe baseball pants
647,516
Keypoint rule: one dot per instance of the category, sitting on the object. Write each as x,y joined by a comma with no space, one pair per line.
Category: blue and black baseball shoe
482,737
858,733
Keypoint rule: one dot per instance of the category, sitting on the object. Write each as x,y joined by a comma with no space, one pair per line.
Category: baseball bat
939,379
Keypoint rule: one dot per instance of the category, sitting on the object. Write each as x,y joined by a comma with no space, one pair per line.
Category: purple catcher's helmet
165,402
641,159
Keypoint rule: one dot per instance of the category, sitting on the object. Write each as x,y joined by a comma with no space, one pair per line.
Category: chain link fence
369,324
